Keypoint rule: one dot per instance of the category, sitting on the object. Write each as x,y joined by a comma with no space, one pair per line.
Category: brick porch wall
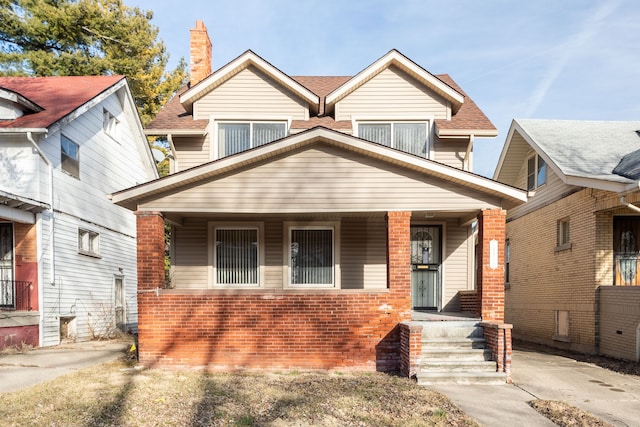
271,329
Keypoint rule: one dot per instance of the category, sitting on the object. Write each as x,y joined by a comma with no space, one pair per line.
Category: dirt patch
115,394
565,415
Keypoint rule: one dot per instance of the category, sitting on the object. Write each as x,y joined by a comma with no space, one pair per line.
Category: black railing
627,269
15,295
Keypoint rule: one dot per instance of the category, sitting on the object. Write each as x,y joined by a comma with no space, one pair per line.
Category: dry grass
565,415
114,395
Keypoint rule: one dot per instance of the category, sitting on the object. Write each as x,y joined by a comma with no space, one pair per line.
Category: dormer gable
14,105
243,62
395,59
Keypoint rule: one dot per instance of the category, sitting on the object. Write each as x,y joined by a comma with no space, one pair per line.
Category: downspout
629,205
172,157
52,270
467,154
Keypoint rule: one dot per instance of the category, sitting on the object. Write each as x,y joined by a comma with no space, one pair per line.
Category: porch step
431,378
454,352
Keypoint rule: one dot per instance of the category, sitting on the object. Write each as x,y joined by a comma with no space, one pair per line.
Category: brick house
313,216
572,249
67,254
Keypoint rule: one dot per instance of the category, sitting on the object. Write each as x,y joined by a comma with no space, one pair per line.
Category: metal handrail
15,295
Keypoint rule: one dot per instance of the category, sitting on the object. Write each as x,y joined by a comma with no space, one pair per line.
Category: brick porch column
399,262
150,232
491,228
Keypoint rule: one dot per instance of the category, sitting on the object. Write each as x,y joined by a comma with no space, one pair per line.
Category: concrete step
458,366
478,354
453,342
454,329
430,378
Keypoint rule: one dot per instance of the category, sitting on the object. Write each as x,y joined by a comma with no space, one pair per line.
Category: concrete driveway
22,370
613,397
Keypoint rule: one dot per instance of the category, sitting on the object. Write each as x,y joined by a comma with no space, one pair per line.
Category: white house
67,254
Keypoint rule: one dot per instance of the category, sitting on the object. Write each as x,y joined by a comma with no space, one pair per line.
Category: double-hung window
536,172
312,256
410,137
70,156
236,255
234,137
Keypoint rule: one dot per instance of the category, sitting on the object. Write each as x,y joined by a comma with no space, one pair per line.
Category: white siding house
69,269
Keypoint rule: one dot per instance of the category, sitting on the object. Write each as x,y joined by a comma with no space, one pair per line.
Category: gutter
52,270
629,205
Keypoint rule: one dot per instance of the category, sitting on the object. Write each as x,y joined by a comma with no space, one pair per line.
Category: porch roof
131,198
20,209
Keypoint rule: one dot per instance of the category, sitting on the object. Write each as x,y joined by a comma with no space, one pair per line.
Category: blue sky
546,59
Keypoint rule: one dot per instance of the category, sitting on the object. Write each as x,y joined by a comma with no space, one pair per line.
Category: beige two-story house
312,215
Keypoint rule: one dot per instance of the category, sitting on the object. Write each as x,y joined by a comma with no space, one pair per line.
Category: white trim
288,226
234,67
212,226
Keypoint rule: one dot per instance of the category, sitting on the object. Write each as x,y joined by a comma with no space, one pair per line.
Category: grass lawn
116,395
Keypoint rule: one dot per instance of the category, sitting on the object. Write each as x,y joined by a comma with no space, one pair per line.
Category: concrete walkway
613,397
22,370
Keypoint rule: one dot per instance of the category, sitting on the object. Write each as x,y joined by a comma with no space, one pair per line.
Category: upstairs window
70,156
404,136
536,172
110,124
236,137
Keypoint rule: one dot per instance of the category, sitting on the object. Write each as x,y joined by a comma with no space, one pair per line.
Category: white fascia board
240,63
17,215
394,57
329,136
175,132
18,131
598,184
505,149
482,133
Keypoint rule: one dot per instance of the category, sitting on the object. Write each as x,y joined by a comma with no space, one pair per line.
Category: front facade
310,215
67,254
573,246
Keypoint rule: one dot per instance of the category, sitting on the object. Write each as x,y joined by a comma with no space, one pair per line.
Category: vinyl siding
250,93
392,93
456,264
23,172
321,178
191,152
450,152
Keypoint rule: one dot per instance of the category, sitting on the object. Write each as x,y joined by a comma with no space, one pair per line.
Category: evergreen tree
89,37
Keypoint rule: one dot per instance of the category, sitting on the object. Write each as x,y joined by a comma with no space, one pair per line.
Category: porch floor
436,316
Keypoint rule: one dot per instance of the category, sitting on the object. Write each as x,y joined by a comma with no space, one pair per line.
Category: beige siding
362,250
456,264
392,92
511,170
450,152
553,190
191,152
322,178
250,93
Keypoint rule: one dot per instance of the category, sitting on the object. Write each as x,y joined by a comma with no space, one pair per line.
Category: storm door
119,303
426,266
626,232
7,299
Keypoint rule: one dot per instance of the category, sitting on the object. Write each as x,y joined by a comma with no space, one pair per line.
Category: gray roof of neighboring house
589,149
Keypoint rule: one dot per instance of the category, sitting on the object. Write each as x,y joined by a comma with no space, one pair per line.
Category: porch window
311,256
237,256
88,243
234,137
536,172
408,137
70,156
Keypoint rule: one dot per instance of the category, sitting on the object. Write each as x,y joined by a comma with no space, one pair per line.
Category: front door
426,266
6,266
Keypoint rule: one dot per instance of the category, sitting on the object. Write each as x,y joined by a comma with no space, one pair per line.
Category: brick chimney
200,53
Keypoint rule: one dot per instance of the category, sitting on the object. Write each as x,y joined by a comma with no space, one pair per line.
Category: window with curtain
236,256
312,256
408,137
237,137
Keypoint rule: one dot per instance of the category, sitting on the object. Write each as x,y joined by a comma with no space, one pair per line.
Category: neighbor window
88,242
236,256
70,157
404,136
311,256
507,261
536,172
236,137
563,234
110,124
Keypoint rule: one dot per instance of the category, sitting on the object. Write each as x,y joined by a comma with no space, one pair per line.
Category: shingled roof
57,97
